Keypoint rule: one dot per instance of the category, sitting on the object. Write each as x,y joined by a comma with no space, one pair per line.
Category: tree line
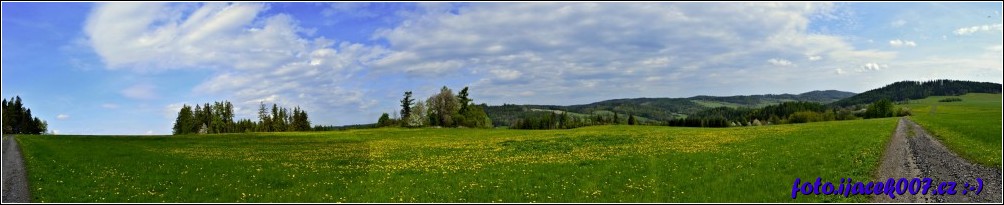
218,117
911,90
17,119
543,120
444,109
785,113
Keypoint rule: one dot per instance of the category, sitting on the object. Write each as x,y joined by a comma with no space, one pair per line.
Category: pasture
970,128
590,164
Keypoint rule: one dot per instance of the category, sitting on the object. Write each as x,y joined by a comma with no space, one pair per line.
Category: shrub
903,112
804,116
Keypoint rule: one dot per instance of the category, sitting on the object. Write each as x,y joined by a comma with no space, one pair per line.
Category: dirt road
913,152
15,182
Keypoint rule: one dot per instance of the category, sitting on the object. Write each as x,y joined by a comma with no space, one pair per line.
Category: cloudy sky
125,68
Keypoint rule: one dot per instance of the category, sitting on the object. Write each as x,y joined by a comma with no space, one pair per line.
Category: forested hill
908,90
662,108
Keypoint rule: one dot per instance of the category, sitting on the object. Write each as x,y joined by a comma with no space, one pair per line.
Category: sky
126,68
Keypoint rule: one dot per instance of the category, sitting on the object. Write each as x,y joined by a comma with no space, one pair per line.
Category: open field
592,164
970,128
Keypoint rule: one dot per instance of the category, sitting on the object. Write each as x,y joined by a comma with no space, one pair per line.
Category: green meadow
590,164
970,128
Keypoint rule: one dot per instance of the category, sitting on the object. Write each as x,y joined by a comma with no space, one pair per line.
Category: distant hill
910,90
661,108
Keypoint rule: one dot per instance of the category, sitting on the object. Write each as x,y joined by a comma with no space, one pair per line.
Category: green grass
971,127
591,164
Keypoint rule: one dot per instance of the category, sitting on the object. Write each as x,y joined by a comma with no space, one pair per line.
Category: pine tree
464,100
184,123
616,121
264,119
406,106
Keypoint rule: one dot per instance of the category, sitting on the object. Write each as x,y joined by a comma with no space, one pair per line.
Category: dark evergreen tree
264,119
17,119
406,105
185,122
464,100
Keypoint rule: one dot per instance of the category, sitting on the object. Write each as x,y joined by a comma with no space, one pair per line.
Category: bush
903,112
804,117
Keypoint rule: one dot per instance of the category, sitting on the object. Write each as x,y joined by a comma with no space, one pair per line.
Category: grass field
591,164
971,127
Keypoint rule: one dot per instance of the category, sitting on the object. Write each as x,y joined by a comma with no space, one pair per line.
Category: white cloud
170,111
872,67
142,91
616,45
158,36
252,56
839,71
981,28
779,62
625,49
62,117
902,43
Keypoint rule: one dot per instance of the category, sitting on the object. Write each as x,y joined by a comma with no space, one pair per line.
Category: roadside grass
970,128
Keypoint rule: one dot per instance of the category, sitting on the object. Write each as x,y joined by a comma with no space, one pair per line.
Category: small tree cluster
443,109
542,120
879,109
218,117
17,119
282,119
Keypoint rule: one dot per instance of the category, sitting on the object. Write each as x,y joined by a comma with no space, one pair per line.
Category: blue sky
125,68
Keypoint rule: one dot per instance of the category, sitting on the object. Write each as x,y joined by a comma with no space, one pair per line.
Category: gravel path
15,182
913,152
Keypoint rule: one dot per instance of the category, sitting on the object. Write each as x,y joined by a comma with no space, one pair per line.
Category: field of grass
591,164
971,127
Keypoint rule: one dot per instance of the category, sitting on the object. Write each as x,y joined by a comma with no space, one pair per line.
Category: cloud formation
779,62
542,53
872,67
981,28
254,57
902,43
614,45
